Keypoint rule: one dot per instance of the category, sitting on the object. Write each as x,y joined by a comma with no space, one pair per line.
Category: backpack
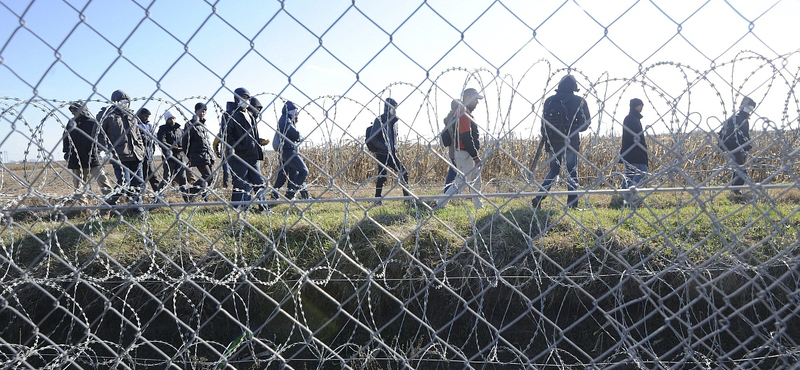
276,141
371,140
446,136
555,120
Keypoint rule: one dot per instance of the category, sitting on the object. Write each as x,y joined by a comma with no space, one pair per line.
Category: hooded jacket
634,145
120,131
289,136
196,145
577,113
386,126
80,140
735,134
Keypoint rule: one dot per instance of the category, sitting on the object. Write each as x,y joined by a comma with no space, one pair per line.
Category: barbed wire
686,269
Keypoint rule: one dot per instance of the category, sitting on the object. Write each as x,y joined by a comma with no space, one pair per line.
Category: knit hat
168,115
635,102
199,106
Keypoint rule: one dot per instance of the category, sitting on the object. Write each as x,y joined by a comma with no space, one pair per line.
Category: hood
81,108
289,109
568,83
747,102
119,95
255,106
390,103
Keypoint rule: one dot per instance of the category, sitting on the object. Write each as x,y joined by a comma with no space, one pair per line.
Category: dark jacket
241,133
120,134
289,137
170,138
385,129
634,146
80,141
577,113
467,139
735,134
196,145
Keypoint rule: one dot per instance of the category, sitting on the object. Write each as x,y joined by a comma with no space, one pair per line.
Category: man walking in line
149,139
734,138
122,138
197,147
633,151
241,134
80,150
466,145
293,170
170,135
564,117
384,135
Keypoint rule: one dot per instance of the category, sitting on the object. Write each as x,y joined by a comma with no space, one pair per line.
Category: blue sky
337,58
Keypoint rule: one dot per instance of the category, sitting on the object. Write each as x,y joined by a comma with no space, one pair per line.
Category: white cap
470,94
168,115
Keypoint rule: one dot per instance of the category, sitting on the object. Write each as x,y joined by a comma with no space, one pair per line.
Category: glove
264,142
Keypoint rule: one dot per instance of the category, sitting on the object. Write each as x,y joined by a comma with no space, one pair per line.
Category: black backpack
555,120
371,139
446,136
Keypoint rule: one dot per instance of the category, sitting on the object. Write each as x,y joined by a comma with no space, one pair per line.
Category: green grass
303,234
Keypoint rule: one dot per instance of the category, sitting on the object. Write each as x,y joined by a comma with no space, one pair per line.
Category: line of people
565,116
131,141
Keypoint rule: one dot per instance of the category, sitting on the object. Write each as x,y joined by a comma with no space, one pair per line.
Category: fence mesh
696,266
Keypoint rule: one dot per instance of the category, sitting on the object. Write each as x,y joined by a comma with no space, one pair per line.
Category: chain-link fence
182,222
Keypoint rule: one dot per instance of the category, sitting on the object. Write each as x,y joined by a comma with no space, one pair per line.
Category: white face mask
391,111
748,108
243,104
124,103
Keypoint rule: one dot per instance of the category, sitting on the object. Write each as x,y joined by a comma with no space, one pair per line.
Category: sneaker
535,202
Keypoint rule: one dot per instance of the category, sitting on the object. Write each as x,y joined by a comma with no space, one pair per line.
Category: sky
338,58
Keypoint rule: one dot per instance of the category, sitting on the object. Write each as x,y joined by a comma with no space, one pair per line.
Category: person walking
241,134
384,137
735,141
198,149
633,152
292,170
452,116
81,153
565,116
149,139
466,143
120,134
170,135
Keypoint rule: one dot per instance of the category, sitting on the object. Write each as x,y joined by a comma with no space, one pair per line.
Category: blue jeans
389,160
129,182
292,169
634,174
567,156
246,177
451,175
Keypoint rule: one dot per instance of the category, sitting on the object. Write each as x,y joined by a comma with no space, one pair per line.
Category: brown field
348,169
